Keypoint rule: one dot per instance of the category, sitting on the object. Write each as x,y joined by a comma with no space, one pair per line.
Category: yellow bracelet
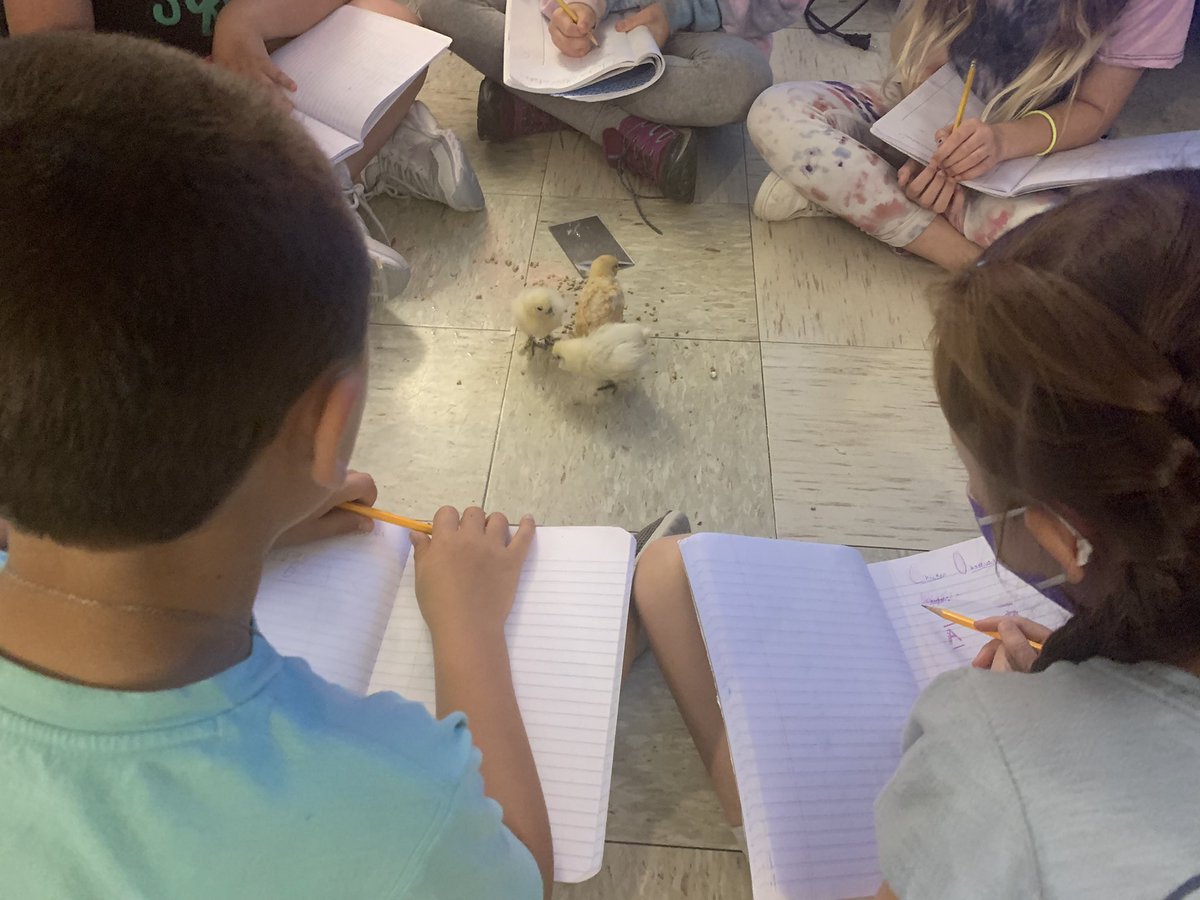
1053,129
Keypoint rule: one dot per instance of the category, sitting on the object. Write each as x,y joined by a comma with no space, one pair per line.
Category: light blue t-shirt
262,782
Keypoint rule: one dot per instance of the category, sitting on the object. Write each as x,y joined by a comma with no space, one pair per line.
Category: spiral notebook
348,607
911,125
624,63
818,658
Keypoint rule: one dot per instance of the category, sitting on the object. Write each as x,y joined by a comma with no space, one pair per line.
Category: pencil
391,518
960,619
575,18
962,104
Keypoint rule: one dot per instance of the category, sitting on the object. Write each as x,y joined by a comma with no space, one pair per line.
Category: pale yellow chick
601,300
613,353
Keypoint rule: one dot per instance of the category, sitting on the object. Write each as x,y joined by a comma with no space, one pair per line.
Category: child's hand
571,39
239,48
653,17
969,151
1011,653
928,186
329,521
467,573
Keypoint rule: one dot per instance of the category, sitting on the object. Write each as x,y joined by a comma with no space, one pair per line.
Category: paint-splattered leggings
816,135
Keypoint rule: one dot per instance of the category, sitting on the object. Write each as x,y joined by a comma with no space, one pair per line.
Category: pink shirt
1149,34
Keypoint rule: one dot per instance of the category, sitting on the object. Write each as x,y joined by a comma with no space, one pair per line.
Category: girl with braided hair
1067,363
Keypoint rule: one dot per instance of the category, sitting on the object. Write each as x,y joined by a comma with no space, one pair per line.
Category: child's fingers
420,543
920,183
905,173
950,143
496,527
359,487
1021,656
1034,631
519,544
445,520
983,659
970,161
473,519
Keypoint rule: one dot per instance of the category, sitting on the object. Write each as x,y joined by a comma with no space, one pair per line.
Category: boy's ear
1058,539
337,421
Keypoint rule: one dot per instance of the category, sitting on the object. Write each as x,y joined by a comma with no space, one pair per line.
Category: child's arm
466,580
976,148
666,17
25,16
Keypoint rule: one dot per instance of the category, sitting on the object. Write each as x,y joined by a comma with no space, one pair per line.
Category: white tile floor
789,396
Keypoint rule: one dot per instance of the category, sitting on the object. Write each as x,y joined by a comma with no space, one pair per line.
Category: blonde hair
931,26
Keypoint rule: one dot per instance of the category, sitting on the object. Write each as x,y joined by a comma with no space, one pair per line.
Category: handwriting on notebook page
964,578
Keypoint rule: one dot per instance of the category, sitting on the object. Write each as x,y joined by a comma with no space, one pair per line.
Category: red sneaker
501,116
665,155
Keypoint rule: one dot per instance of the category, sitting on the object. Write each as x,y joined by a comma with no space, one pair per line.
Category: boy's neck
151,618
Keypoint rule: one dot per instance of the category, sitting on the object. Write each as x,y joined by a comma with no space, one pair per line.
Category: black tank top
182,23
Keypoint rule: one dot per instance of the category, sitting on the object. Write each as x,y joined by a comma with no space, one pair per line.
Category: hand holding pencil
1016,641
572,28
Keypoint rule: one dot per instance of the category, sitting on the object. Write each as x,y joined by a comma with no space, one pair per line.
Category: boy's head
177,270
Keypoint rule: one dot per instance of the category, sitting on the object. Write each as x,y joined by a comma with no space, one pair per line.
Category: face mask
1050,588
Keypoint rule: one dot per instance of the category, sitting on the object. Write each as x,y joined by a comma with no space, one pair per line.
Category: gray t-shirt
1081,781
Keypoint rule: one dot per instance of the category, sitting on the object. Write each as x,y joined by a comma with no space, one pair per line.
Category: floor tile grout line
487,484
666,846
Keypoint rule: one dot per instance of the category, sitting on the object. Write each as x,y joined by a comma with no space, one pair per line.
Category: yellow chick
601,300
615,352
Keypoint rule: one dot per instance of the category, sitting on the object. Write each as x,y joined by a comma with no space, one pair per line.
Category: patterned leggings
816,135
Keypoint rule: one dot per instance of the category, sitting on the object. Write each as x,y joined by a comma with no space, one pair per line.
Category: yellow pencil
960,619
962,104
575,18
391,518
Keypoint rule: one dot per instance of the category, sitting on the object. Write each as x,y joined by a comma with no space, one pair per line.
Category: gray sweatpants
711,79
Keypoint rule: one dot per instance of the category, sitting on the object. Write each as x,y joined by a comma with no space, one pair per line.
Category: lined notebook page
352,63
963,578
329,601
814,689
566,637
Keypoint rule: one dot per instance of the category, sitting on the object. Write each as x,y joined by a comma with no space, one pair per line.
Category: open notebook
349,68
622,64
818,658
911,125
348,607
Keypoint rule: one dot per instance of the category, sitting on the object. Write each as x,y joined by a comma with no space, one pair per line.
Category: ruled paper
566,637
963,578
814,689
329,601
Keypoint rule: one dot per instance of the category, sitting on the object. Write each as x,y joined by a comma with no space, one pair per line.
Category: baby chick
538,312
601,300
614,352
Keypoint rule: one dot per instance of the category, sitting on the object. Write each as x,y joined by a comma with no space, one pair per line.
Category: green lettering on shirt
208,9
162,17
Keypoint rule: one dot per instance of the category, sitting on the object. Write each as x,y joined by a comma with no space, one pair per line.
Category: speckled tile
636,872
691,435
432,410
467,267
576,168
696,279
860,453
822,281
661,793
799,55
875,17
512,167
451,74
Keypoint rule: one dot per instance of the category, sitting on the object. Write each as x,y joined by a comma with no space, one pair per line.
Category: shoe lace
641,144
356,197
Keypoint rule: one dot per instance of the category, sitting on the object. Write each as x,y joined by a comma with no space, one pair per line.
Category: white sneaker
424,160
778,201
391,272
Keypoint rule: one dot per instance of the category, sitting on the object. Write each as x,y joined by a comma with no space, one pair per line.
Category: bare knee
660,579
389,8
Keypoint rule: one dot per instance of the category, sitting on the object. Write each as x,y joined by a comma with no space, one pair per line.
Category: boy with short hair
183,313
